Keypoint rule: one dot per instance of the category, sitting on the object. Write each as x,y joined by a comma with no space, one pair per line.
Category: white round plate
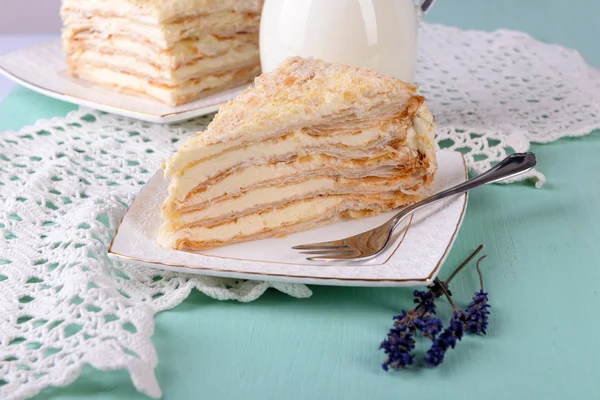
414,259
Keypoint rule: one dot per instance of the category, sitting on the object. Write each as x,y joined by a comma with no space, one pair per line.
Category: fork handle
513,165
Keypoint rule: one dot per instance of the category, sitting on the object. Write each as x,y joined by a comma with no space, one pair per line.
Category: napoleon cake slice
311,143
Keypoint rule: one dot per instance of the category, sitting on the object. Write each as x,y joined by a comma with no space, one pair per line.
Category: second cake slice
173,51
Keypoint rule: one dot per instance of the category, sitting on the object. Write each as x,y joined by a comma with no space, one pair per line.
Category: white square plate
413,260
42,68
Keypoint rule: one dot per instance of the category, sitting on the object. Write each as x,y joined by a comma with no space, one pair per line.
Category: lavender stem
480,274
464,264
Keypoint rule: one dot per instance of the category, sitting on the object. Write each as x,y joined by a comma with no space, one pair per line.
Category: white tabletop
10,43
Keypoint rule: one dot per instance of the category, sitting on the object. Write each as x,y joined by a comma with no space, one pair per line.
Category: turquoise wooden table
543,275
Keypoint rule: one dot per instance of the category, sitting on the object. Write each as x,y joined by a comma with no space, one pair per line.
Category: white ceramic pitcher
379,34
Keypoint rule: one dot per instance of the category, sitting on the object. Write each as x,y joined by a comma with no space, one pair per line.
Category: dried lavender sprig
449,337
399,345
477,314
474,319
446,340
478,310
425,301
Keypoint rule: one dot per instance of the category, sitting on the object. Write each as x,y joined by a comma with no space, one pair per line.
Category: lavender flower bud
446,340
477,314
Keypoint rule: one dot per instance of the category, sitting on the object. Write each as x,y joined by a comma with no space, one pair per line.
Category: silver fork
369,244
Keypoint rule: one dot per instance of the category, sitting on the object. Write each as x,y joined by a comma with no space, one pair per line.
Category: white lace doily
66,182
498,92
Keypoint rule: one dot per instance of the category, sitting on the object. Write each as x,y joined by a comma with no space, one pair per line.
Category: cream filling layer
252,224
180,54
293,143
220,23
246,55
108,77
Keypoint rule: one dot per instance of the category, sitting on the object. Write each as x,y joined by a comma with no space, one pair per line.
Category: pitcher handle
426,5
423,6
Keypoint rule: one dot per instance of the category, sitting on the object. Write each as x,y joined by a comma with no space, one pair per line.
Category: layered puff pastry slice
311,143
173,51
